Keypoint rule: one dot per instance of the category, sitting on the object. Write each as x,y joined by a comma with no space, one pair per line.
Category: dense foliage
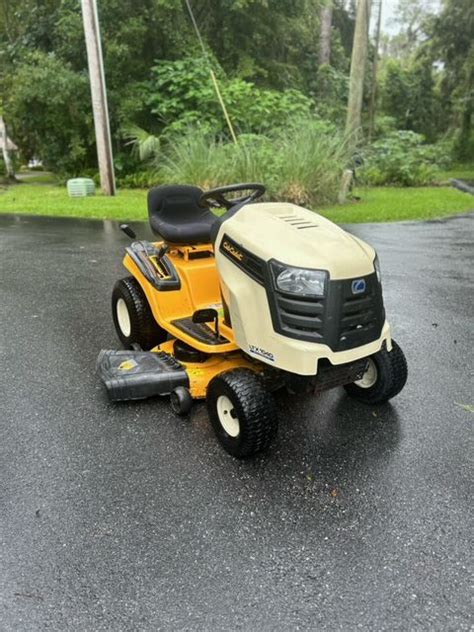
427,80
181,95
48,113
156,76
163,105
453,42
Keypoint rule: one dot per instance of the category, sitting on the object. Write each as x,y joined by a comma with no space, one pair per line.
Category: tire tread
393,373
145,330
255,408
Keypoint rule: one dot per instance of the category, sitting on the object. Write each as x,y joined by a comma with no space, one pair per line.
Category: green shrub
443,152
182,95
401,158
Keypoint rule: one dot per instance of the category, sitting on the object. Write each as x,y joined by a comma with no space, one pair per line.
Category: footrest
199,331
139,374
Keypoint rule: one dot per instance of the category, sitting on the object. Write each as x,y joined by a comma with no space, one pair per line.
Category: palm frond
145,145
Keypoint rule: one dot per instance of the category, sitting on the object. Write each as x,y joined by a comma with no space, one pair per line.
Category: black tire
391,376
142,329
181,401
252,412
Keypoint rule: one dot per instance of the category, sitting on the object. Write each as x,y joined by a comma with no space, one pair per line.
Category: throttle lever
162,251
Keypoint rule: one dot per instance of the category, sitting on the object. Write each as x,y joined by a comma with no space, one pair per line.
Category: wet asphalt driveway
124,517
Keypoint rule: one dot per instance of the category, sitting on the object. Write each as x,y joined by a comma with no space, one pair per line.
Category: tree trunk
464,143
325,33
373,95
359,58
5,152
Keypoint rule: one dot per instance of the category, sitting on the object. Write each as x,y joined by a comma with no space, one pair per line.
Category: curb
462,185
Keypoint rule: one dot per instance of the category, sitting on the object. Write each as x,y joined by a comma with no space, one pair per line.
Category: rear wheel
133,319
385,376
242,412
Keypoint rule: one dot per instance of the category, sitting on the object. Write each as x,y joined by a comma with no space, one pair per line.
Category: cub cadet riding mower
231,308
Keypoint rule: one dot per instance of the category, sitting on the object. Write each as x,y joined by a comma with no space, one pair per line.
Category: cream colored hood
299,237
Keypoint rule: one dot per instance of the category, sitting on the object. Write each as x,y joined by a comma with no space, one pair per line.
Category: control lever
162,251
207,315
125,228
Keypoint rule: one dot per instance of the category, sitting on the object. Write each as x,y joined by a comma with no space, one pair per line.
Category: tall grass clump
195,158
310,159
198,158
252,159
302,163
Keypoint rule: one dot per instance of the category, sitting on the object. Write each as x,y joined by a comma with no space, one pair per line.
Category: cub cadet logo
358,286
232,250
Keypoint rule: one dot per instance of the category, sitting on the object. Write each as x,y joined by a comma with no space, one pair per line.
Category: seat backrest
175,203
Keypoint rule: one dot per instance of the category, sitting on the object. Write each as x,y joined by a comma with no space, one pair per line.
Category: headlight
377,269
299,280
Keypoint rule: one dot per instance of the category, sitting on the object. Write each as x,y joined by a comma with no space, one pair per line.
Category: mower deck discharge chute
231,308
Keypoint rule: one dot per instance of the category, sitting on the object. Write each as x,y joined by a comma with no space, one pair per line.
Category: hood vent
297,222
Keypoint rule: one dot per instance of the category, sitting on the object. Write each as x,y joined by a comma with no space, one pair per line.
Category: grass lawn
383,204
390,204
42,199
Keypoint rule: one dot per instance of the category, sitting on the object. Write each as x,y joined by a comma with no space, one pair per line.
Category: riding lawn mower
231,307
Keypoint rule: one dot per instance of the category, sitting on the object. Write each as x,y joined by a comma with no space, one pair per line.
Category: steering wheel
217,197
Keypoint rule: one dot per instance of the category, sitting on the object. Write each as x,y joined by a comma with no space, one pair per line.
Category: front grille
361,316
301,317
340,320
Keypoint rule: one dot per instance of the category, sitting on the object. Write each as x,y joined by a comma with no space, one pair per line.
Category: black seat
175,214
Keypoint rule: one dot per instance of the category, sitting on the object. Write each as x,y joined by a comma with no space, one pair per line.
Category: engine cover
294,332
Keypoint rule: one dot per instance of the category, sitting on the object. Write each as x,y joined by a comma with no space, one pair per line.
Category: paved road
124,517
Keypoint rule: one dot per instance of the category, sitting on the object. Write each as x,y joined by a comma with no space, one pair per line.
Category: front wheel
385,376
242,412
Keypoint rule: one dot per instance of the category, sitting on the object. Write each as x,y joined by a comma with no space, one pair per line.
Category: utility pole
99,96
325,28
373,95
358,61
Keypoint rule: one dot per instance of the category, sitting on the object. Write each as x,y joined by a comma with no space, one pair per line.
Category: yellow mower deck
201,373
